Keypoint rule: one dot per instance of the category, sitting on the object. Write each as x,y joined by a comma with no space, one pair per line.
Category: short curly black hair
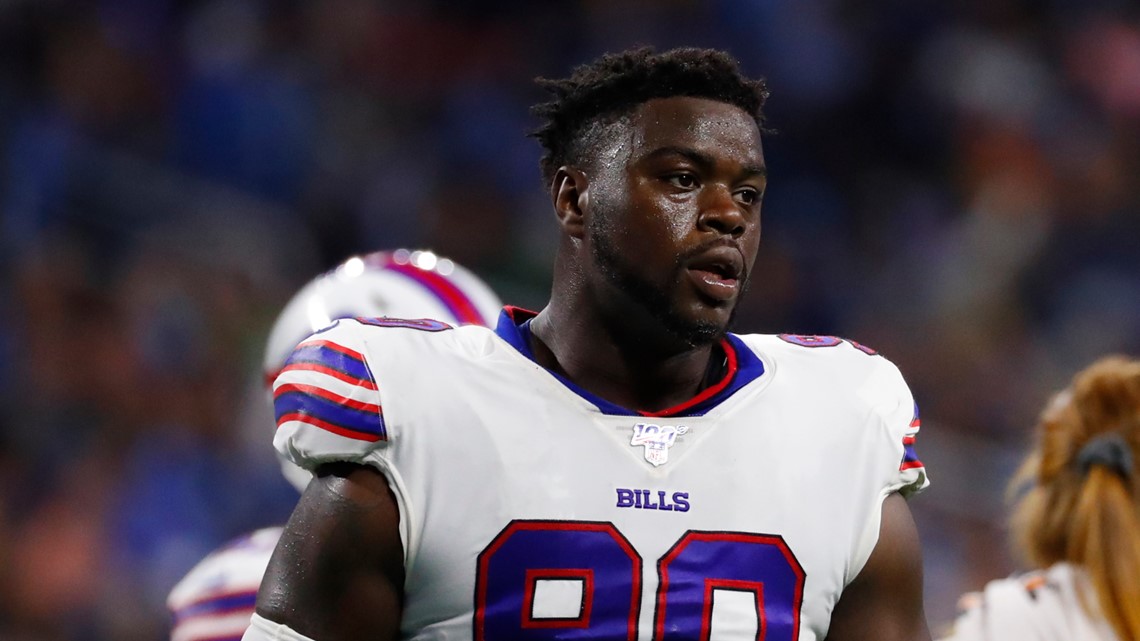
613,85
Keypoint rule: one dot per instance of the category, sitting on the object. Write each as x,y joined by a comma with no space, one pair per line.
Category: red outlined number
756,590
599,574
702,563
594,556
584,576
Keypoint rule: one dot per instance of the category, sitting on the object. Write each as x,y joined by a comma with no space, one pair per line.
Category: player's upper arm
884,602
337,572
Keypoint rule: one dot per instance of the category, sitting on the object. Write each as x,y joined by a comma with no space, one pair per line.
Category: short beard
650,297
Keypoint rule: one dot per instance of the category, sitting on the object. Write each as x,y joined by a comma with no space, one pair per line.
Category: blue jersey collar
743,367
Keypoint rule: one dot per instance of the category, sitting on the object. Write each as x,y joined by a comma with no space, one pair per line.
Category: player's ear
570,191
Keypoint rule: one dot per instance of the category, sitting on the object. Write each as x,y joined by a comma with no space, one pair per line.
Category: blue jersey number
591,557
603,574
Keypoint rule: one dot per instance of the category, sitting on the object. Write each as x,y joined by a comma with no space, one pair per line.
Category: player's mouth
716,273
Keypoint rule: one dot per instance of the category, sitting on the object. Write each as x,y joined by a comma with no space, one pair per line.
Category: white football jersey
215,600
1038,606
531,509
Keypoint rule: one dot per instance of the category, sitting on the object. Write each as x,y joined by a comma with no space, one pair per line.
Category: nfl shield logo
657,440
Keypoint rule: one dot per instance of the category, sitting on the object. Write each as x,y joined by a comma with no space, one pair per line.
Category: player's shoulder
382,328
1022,591
814,345
415,334
333,398
827,357
1039,604
1034,588
837,368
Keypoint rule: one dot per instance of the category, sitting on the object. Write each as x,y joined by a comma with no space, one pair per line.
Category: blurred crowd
951,183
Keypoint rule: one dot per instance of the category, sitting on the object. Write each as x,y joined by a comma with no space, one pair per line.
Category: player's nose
720,212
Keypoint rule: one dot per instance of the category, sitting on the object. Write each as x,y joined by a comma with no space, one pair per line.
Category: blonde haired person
1079,521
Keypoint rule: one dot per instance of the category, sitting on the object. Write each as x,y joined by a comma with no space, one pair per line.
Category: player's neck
609,364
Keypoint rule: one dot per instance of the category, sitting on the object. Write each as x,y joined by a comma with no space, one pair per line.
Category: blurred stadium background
952,183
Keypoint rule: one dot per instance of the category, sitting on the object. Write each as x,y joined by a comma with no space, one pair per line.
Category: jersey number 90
572,580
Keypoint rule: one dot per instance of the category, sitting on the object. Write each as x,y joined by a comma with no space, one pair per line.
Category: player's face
675,213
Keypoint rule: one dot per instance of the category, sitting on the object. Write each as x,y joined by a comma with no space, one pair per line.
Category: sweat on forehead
673,123
603,139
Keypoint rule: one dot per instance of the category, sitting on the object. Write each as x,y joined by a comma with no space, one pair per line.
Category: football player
215,599
617,465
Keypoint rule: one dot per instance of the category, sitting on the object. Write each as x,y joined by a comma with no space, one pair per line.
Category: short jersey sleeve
1043,605
900,421
1006,609
884,401
326,401
891,458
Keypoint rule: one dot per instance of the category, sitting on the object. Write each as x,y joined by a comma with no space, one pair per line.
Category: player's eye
683,181
748,196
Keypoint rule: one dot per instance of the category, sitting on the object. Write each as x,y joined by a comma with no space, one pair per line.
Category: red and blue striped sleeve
910,458
912,476
326,400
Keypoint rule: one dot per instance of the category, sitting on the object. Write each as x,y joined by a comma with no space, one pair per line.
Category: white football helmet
401,284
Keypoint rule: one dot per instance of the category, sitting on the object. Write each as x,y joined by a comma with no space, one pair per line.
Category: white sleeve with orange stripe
326,401
1042,605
